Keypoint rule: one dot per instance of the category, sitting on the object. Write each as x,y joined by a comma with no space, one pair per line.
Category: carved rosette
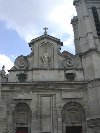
21,62
69,63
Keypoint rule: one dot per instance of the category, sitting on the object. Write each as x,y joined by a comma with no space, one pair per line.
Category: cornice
46,83
46,86
43,37
90,51
93,83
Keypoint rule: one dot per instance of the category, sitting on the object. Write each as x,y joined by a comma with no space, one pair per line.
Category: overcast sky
23,20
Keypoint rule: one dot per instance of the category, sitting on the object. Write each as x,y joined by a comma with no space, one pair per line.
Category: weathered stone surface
53,92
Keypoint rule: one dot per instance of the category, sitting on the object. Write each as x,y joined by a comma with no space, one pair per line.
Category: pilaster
74,23
59,119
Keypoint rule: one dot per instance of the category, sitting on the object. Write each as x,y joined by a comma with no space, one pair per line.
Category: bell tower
87,25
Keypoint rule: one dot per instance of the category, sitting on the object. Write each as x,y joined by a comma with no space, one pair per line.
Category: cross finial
45,30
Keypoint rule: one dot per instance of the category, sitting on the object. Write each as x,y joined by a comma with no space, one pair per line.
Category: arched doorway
73,118
22,118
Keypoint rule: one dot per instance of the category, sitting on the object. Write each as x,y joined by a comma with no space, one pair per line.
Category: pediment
45,36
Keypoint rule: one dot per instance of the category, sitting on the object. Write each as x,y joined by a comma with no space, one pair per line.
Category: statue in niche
46,58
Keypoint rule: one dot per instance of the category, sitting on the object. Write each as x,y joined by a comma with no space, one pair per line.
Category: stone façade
52,92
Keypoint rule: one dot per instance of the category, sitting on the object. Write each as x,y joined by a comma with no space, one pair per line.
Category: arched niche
45,56
73,118
22,118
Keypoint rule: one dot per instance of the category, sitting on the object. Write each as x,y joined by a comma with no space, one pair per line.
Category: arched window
73,118
96,20
22,114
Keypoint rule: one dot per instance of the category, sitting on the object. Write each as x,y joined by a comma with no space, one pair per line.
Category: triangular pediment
45,36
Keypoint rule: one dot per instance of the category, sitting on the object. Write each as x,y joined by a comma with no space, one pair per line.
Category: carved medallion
69,62
21,62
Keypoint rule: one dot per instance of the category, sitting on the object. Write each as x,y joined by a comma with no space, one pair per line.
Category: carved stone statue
46,58
2,72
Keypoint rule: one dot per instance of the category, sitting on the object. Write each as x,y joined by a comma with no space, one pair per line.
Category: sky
23,20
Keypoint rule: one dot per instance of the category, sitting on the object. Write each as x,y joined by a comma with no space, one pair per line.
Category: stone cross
45,30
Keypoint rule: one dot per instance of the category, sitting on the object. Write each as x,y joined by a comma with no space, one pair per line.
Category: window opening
96,20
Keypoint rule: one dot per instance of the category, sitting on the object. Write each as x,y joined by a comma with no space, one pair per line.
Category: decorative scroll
21,62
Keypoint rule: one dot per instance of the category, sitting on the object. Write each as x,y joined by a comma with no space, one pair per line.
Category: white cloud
69,45
6,61
28,17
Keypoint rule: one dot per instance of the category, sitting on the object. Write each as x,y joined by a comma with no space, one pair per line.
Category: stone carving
22,77
4,76
69,62
46,58
2,72
21,62
45,55
45,31
70,76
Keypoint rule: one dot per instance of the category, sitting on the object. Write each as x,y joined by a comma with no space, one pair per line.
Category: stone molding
94,83
45,36
93,122
90,51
